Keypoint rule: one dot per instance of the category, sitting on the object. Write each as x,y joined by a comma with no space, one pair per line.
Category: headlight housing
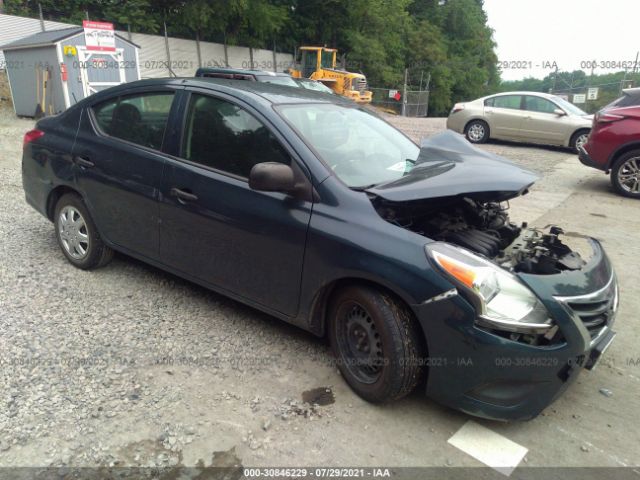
502,301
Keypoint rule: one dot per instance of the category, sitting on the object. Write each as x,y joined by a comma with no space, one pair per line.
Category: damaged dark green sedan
314,210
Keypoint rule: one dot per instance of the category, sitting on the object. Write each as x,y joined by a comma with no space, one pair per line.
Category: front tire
377,342
625,174
477,131
77,234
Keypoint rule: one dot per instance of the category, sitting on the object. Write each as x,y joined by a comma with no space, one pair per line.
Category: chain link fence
412,103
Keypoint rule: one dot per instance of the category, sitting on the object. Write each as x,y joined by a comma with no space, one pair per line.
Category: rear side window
221,135
140,119
626,101
507,101
538,104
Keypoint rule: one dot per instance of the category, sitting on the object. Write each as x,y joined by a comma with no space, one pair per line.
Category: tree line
446,40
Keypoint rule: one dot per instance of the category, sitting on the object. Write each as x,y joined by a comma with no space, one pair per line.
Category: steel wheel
377,342
72,229
629,175
360,342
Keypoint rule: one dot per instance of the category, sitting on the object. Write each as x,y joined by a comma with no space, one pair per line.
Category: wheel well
618,153
319,310
576,133
54,196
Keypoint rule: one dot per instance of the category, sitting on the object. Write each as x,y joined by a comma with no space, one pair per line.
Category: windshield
569,107
360,148
280,80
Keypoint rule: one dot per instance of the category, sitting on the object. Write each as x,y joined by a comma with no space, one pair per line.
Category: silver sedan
530,117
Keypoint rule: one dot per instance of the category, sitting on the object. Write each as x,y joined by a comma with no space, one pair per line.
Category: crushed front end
502,374
549,317
521,310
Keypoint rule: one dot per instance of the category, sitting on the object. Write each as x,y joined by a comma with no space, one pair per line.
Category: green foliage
446,40
121,12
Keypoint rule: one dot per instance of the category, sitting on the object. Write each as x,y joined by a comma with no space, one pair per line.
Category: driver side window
538,104
221,135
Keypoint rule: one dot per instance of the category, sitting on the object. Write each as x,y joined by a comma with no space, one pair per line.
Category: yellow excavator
319,63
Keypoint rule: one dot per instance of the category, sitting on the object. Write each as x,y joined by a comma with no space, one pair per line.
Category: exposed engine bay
484,228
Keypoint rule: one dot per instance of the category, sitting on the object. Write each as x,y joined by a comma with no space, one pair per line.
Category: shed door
100,70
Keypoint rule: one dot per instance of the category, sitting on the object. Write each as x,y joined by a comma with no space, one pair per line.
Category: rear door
118,161
217,229
541,124
504,116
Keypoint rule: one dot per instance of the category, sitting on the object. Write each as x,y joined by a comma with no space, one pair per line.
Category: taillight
608,117
31,135
457,107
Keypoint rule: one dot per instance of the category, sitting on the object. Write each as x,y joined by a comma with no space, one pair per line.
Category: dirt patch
319,396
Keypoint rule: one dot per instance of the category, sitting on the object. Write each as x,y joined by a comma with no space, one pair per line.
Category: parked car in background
263,76
530,117
313,85
309,207
614,143
279,78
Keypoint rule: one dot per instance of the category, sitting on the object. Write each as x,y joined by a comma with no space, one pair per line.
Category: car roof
242,71
267,93
536,94
632,91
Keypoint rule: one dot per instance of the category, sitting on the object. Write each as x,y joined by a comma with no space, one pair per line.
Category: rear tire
625,174
77,234
377,342
477,131
578,139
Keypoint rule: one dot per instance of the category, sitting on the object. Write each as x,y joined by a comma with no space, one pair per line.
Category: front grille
359,84
596,310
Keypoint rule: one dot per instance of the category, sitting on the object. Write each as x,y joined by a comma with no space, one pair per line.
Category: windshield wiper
363,188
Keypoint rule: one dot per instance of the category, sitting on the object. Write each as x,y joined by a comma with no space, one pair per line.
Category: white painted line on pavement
489,447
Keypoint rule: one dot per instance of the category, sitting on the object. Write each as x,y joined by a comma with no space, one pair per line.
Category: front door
217,229
541,123
118,160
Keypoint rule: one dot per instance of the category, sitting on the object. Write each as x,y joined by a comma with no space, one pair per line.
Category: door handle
182,195
84,162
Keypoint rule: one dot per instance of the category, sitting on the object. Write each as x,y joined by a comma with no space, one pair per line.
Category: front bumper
491,376
586,159
359,97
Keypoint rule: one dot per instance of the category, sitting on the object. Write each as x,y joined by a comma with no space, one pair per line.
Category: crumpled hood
448,165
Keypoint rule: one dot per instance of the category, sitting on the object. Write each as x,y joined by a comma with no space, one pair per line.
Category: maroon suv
614,143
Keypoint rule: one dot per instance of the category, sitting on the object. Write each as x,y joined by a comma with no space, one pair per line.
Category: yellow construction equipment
319,63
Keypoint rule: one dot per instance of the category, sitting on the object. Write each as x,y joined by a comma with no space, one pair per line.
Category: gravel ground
131,366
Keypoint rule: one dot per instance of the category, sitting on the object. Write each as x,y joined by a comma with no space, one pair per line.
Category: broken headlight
503,302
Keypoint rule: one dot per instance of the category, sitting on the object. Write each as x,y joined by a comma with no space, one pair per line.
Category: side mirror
272,177
559,112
